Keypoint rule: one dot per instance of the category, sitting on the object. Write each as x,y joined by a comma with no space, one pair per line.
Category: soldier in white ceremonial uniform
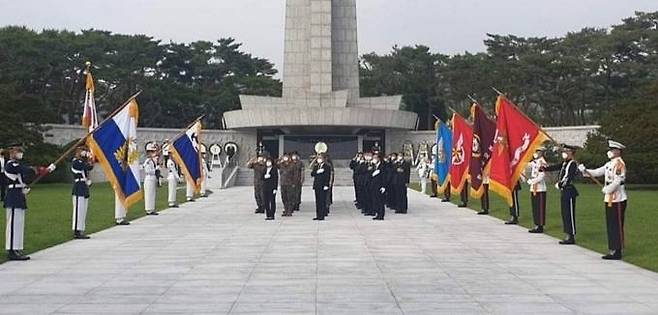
120,211
173,178
80,167
615,198
150,179
537,183
16,202
205,173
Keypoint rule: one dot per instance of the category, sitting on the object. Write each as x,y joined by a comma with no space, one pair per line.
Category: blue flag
442,161
185,150
114,145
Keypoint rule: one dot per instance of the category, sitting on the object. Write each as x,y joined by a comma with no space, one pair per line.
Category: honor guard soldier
424,169
258,165
16,203
366,200
463,195
484,200
287,170
354,164
568,192
321,174
173,178
615,198
298,177
150,179
80,167
537,183
515,209
377,187
120,211
270,186
205,172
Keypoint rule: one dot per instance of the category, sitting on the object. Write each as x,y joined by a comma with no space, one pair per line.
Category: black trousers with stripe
568,205
538,202
515,209
615,215
485,197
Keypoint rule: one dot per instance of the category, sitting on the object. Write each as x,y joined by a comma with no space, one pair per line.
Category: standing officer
172,182
287,169
377,187
484,200
401,182
321,174
120,211
150,179
298,179
258,165
205,173
80,168
463,195
270,185
568,193
615,198
537,184
354,164
366,199
16,203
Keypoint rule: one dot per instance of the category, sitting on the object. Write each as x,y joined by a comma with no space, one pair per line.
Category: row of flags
113,143
498,150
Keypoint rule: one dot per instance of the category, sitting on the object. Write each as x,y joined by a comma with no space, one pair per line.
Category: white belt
80,180
16,186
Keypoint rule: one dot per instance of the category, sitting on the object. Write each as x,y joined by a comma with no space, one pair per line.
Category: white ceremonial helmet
615,145
151,146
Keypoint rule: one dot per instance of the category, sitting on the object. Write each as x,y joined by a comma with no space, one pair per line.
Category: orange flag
462,146
517,137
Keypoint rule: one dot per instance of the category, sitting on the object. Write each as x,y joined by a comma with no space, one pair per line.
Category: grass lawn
641,217
49,214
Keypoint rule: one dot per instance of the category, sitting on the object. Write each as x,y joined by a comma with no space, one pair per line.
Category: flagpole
83,139
186,128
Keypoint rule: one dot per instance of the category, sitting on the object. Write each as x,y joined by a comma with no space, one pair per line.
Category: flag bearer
537,183
16,202
568,192
80,167
515,209
205,173
615,197
173,178
120,210
150,180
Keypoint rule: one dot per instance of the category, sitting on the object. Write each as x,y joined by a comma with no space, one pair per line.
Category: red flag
462,144
484,130
517,138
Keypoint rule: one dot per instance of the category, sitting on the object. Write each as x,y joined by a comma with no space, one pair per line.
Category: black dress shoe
173,206
483,212
318,219
568,241
152,213
537,230
378,219
512,221
434,196
16,255
616,255
445,200
463,205
81,237
124,222
269,219
258,212
191,200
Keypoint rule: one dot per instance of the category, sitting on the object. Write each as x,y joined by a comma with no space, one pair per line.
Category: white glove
375,173
607,190
26,190
582,168
88,182
274,191
319,171
51,168
557,185
180,180
529,182
325,188
267,176
382,190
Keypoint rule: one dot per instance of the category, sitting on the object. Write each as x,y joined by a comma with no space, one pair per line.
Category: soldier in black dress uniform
321,174
400,182
568,193
80,168
377,187
269,190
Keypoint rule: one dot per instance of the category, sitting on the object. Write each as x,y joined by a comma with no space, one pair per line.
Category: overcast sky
448,26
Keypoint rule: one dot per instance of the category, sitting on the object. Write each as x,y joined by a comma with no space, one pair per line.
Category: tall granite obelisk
320,76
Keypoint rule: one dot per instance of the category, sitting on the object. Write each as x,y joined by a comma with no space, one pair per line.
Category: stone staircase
342,177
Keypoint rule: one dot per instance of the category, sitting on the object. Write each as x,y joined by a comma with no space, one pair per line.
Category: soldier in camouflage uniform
298,176
286,170
258,165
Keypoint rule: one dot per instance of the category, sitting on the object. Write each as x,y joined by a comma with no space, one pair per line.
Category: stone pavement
215,256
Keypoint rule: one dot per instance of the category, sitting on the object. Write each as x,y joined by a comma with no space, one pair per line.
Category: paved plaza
215,256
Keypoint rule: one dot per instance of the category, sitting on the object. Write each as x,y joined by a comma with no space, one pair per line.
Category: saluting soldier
80,167
173,178
16,202
537,183
568,192
614,197
298,179
390,174
377,187
321,173
354,164
366,199
258,165
286,170
150,179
